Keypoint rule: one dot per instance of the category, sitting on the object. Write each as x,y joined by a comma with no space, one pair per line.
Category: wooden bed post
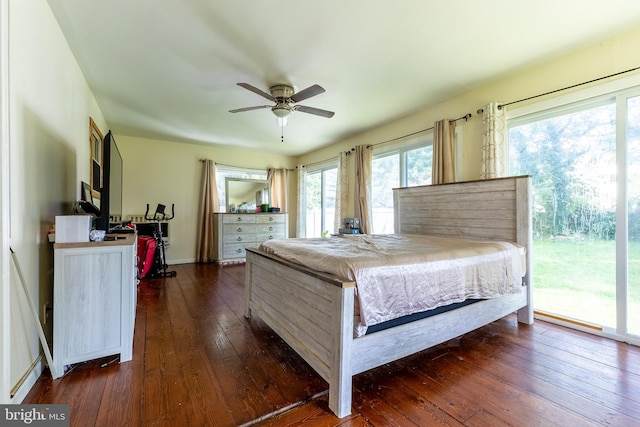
340,388
248,279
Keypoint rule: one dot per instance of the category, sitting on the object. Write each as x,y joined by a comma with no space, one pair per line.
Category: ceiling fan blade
257,107
256,90
307,93
316,111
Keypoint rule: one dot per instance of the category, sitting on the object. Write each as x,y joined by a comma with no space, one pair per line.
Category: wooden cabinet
235,232
94,301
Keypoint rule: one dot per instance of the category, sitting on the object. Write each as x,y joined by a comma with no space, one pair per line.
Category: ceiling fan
284,96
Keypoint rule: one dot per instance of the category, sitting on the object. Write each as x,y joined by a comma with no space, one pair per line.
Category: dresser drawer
237,250
269,228
239,238
266,218
239,219
239,229
272,236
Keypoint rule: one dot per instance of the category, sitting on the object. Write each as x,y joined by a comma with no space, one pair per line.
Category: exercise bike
159,268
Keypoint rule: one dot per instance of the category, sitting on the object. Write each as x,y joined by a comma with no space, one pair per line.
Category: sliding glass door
585,163
320,195
632,167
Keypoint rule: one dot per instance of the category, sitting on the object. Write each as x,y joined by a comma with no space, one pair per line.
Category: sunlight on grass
577,279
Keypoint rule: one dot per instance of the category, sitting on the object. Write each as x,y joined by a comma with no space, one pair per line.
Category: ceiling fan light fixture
281,110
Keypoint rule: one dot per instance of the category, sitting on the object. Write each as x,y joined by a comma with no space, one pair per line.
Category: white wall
607,57
49,107
168,172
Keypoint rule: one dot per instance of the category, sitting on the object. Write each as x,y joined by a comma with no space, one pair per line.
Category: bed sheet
401,274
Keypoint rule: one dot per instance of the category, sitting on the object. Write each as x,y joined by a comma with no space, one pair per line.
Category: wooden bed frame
313,311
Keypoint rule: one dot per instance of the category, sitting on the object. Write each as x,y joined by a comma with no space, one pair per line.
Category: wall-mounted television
111,191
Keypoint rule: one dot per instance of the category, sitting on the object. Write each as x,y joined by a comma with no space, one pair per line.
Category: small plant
324,234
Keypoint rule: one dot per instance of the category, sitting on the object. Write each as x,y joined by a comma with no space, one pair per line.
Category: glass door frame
622,215
620,90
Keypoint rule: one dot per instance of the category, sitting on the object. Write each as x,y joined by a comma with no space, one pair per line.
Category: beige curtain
342,191
208,205
278,178
494,128
443,153
301,230
362,190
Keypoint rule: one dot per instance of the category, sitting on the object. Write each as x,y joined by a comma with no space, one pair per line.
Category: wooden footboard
310,311
313,313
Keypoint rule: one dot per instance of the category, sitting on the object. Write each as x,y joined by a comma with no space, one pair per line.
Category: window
398,168
223,172
584,161
320,195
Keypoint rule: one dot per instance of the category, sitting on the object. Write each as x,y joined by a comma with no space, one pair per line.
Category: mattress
401,274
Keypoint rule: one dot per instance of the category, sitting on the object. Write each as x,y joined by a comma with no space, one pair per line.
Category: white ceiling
167,69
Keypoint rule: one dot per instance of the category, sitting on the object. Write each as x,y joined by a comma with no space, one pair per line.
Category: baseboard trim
28,380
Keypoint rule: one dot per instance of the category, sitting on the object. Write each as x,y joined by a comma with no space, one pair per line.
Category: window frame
401,150
321,168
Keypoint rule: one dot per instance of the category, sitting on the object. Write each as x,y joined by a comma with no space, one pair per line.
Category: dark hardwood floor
198,362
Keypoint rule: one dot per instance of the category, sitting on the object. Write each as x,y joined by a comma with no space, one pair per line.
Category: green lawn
577,279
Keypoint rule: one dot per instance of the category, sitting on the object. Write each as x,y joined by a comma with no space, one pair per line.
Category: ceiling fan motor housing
281,92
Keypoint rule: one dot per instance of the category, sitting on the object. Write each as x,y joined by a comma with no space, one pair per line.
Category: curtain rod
466,117
238,167
321,161
221,164
480,111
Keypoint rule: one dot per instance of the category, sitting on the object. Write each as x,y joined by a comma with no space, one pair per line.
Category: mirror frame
227,181
95,167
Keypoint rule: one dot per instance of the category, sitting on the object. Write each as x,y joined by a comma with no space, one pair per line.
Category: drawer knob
270,218
239,218
239,229
239,251
239,239
270,237
270,228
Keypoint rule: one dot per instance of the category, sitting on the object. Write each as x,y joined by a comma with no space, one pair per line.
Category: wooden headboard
492,209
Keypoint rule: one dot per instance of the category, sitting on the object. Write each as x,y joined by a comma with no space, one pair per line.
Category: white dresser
94,301
235,232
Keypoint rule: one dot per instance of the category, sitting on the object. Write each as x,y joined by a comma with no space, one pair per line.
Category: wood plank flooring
198,362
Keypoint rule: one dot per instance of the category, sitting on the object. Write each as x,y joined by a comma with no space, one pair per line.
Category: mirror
244,195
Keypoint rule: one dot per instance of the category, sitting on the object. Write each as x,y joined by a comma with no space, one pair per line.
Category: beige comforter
398,275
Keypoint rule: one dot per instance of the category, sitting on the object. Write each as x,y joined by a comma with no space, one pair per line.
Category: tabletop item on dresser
97,235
